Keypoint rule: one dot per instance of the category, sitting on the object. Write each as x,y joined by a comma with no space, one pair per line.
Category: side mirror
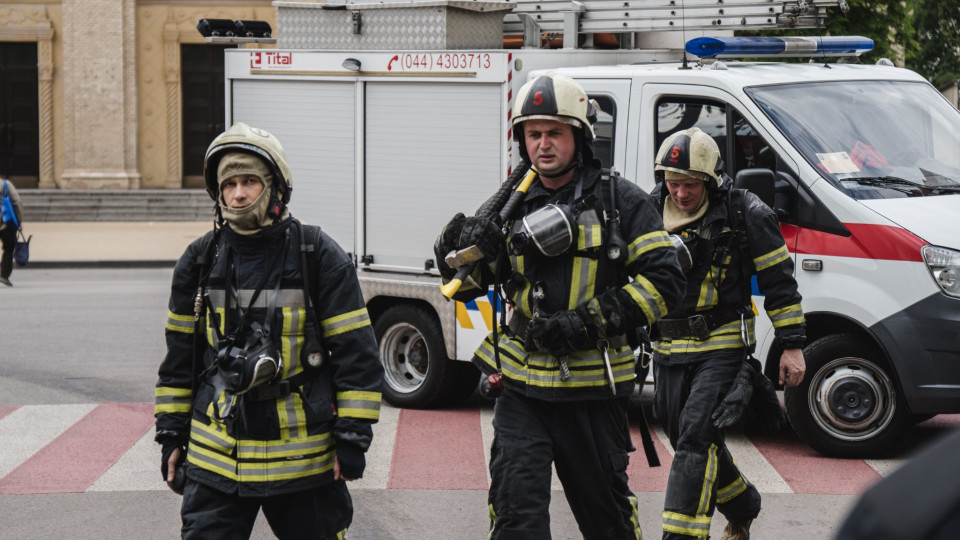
760,182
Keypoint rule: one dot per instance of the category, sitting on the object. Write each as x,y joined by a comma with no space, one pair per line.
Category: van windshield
872,139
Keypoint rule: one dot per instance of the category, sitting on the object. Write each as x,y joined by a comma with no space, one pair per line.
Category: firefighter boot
737,530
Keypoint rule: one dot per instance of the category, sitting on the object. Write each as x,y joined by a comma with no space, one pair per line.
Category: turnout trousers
323,513
703,475
589,442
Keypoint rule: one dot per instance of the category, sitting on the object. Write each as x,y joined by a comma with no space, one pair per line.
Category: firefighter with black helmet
565,360
704,372
271,381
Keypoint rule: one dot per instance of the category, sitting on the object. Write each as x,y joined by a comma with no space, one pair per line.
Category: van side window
605,128
748,149
674,114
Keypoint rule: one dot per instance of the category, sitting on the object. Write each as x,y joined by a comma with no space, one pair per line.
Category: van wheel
847,405
417,372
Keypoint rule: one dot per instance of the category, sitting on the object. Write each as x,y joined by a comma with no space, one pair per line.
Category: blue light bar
753,47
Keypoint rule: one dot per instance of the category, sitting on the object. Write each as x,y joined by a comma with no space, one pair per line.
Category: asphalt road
95,336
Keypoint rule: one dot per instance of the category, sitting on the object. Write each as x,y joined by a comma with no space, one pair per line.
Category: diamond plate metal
444,24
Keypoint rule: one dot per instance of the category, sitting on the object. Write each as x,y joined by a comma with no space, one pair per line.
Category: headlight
944,266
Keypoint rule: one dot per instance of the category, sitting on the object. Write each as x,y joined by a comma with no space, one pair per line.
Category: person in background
9,227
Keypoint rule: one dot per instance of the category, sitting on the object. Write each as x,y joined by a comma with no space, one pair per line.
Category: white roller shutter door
432,149
314,120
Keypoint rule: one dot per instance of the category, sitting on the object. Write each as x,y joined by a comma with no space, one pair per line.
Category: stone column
100,101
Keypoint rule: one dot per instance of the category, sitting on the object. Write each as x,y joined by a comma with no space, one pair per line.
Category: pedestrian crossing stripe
80,448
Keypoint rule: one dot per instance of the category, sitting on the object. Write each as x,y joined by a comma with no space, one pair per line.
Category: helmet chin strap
573,165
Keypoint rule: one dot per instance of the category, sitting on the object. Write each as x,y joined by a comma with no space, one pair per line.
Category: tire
417,372
848,404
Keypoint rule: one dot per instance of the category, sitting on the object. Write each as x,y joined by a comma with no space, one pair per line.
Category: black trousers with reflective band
703,476
323,513
589,442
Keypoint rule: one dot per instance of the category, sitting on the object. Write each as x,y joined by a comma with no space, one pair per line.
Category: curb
97,264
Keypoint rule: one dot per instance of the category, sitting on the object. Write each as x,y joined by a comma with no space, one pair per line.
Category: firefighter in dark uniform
271,403
566,365
703,381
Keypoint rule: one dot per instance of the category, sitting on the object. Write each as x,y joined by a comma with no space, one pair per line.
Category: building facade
111,94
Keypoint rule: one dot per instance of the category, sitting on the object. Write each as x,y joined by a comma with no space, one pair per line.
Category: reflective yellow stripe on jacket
345,322
168,399
179,323
211,448
359,404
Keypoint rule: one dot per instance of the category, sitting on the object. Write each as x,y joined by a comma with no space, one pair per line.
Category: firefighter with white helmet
706,377
271,382
565,360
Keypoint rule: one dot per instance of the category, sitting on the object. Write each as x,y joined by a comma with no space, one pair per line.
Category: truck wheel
847,404
417,372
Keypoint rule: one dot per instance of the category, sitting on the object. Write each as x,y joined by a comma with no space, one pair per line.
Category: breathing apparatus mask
242,366
255,362
550,229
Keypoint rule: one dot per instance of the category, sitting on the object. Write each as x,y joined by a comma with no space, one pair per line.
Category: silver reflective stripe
774,257
345,322
282,449
205,459
211,436
730,491
286,298
792,314
292,339
647,242
679,523
590,237
648,299
292,417
286,470
581,286
179,323
709,478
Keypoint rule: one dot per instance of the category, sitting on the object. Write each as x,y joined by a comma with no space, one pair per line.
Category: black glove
352,461
463,232
733,405
168,446
765,411
564,332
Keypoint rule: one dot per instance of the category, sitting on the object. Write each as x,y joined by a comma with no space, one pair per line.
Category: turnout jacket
722,282
648,273
287,443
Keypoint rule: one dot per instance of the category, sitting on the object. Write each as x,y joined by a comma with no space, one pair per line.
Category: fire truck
396,115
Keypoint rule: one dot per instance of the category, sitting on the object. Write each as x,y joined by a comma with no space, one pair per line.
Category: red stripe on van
72,462
867,241
796,463
438,450
7,409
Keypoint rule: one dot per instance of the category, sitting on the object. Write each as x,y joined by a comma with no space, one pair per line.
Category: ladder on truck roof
532,18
